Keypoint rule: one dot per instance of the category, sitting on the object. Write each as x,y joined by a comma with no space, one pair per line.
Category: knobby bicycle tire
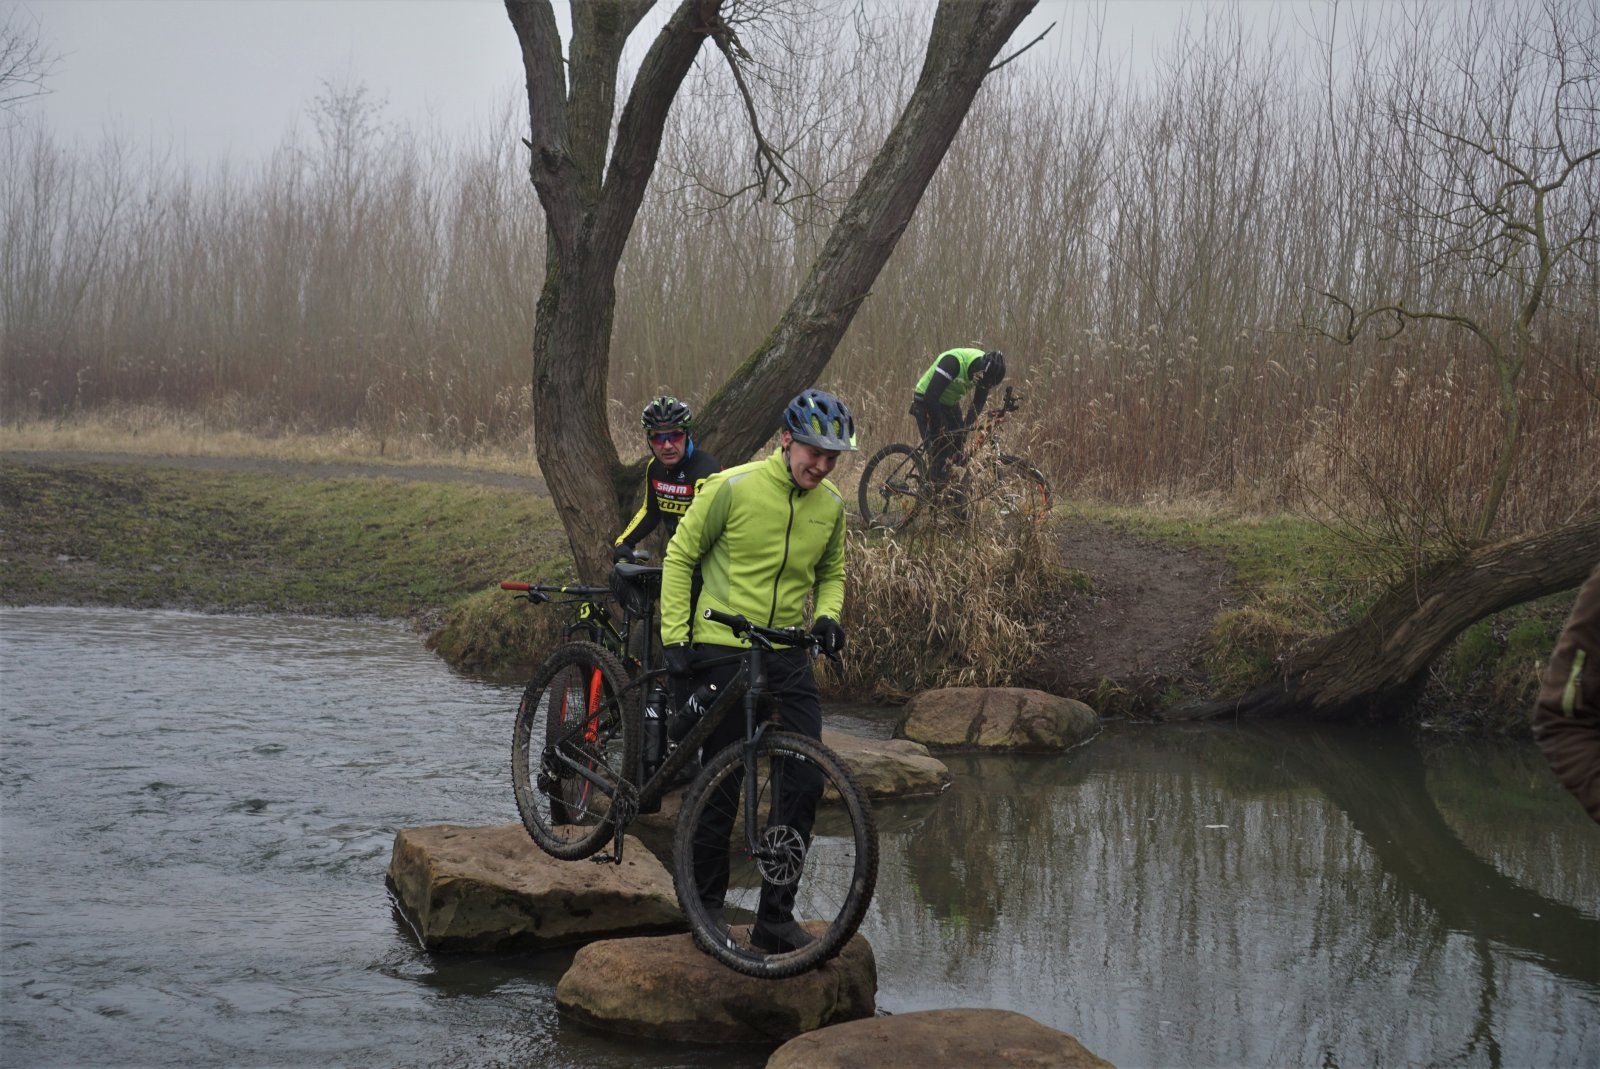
577,703
893,487
834,870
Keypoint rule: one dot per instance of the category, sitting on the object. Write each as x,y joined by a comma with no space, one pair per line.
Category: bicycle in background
897,484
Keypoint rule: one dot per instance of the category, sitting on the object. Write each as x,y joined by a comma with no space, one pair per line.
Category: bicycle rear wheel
576,714
821,872
892,487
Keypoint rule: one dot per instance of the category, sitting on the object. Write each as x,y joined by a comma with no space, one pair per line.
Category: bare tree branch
551,166
644,118
26,62
1023,49
769,163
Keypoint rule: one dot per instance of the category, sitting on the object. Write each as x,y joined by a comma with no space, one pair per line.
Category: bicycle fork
765,855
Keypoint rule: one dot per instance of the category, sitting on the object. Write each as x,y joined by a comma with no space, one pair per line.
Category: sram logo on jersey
672,497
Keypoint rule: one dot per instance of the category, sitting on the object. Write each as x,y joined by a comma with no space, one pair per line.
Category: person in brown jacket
1566,718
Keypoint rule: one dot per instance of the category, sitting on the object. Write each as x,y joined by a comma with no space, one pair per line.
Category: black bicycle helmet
991,368
666,414
821,420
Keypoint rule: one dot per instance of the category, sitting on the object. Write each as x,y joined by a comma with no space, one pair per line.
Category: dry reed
936,607
1144,251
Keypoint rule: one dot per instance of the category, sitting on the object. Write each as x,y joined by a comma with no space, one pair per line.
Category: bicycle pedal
606,859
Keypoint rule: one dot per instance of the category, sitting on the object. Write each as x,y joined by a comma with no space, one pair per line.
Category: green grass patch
1485,683
152,537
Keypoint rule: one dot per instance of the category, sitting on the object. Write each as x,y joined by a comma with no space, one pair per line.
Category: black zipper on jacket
773,615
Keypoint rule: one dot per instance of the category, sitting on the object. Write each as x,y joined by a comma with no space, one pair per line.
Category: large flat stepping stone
466,888
995,1039
889,768
668,988
996,718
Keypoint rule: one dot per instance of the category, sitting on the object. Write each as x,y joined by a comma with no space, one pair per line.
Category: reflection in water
1251,896
196,814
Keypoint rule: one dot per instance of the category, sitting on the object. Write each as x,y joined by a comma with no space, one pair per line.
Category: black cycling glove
678,659
829,634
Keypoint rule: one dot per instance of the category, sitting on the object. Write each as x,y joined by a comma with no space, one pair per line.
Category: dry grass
1146,252
942,607
151,431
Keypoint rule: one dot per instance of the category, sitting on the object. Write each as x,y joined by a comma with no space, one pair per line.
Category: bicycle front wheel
1022,491
576,738
815,858
892,487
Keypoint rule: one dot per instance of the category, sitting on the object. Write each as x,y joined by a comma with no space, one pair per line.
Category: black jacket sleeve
649,515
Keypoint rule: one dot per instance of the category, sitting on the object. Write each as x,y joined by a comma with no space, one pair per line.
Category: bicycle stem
758,683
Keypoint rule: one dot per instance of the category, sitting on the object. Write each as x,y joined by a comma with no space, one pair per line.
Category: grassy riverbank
290,541
262,542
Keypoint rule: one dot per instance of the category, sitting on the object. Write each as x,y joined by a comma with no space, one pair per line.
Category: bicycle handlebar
787,636
575,591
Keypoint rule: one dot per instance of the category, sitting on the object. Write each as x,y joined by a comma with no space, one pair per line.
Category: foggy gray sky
227,76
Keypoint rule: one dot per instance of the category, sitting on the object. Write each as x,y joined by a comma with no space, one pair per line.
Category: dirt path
433,473
1145,623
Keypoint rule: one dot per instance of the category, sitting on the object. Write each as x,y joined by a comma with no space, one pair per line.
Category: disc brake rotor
781,854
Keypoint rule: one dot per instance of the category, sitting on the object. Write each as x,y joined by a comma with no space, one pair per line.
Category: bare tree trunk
589,222
962,46
1368,668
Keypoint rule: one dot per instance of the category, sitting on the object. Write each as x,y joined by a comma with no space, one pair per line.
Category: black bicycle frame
748,684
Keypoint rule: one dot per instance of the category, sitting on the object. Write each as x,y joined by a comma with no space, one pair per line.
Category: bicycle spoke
791,867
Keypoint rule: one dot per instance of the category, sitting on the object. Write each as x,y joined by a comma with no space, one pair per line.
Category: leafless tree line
1153,253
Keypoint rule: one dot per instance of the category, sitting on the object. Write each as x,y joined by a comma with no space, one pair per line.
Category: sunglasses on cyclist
668,437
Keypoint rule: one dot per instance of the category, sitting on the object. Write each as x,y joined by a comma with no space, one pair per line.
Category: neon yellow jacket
762,545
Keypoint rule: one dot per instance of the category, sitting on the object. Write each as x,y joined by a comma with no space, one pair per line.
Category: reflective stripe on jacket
762,545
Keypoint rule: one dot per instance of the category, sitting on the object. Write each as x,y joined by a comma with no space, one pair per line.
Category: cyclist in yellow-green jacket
936,402
764,537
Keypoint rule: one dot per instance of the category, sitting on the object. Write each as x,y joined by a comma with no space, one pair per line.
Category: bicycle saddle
638,571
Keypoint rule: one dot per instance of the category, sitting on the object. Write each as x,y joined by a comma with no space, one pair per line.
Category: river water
196,814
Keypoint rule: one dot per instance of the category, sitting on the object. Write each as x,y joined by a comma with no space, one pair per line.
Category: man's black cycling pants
797,707
942,431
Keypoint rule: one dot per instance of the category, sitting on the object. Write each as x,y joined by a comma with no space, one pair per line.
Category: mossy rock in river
996,718
991,1038
668,988
480,889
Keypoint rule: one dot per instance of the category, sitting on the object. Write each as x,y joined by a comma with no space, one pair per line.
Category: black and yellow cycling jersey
667,494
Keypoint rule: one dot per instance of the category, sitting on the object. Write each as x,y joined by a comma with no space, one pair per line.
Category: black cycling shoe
780,938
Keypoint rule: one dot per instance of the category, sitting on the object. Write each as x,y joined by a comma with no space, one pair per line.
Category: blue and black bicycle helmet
666,414
820,420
